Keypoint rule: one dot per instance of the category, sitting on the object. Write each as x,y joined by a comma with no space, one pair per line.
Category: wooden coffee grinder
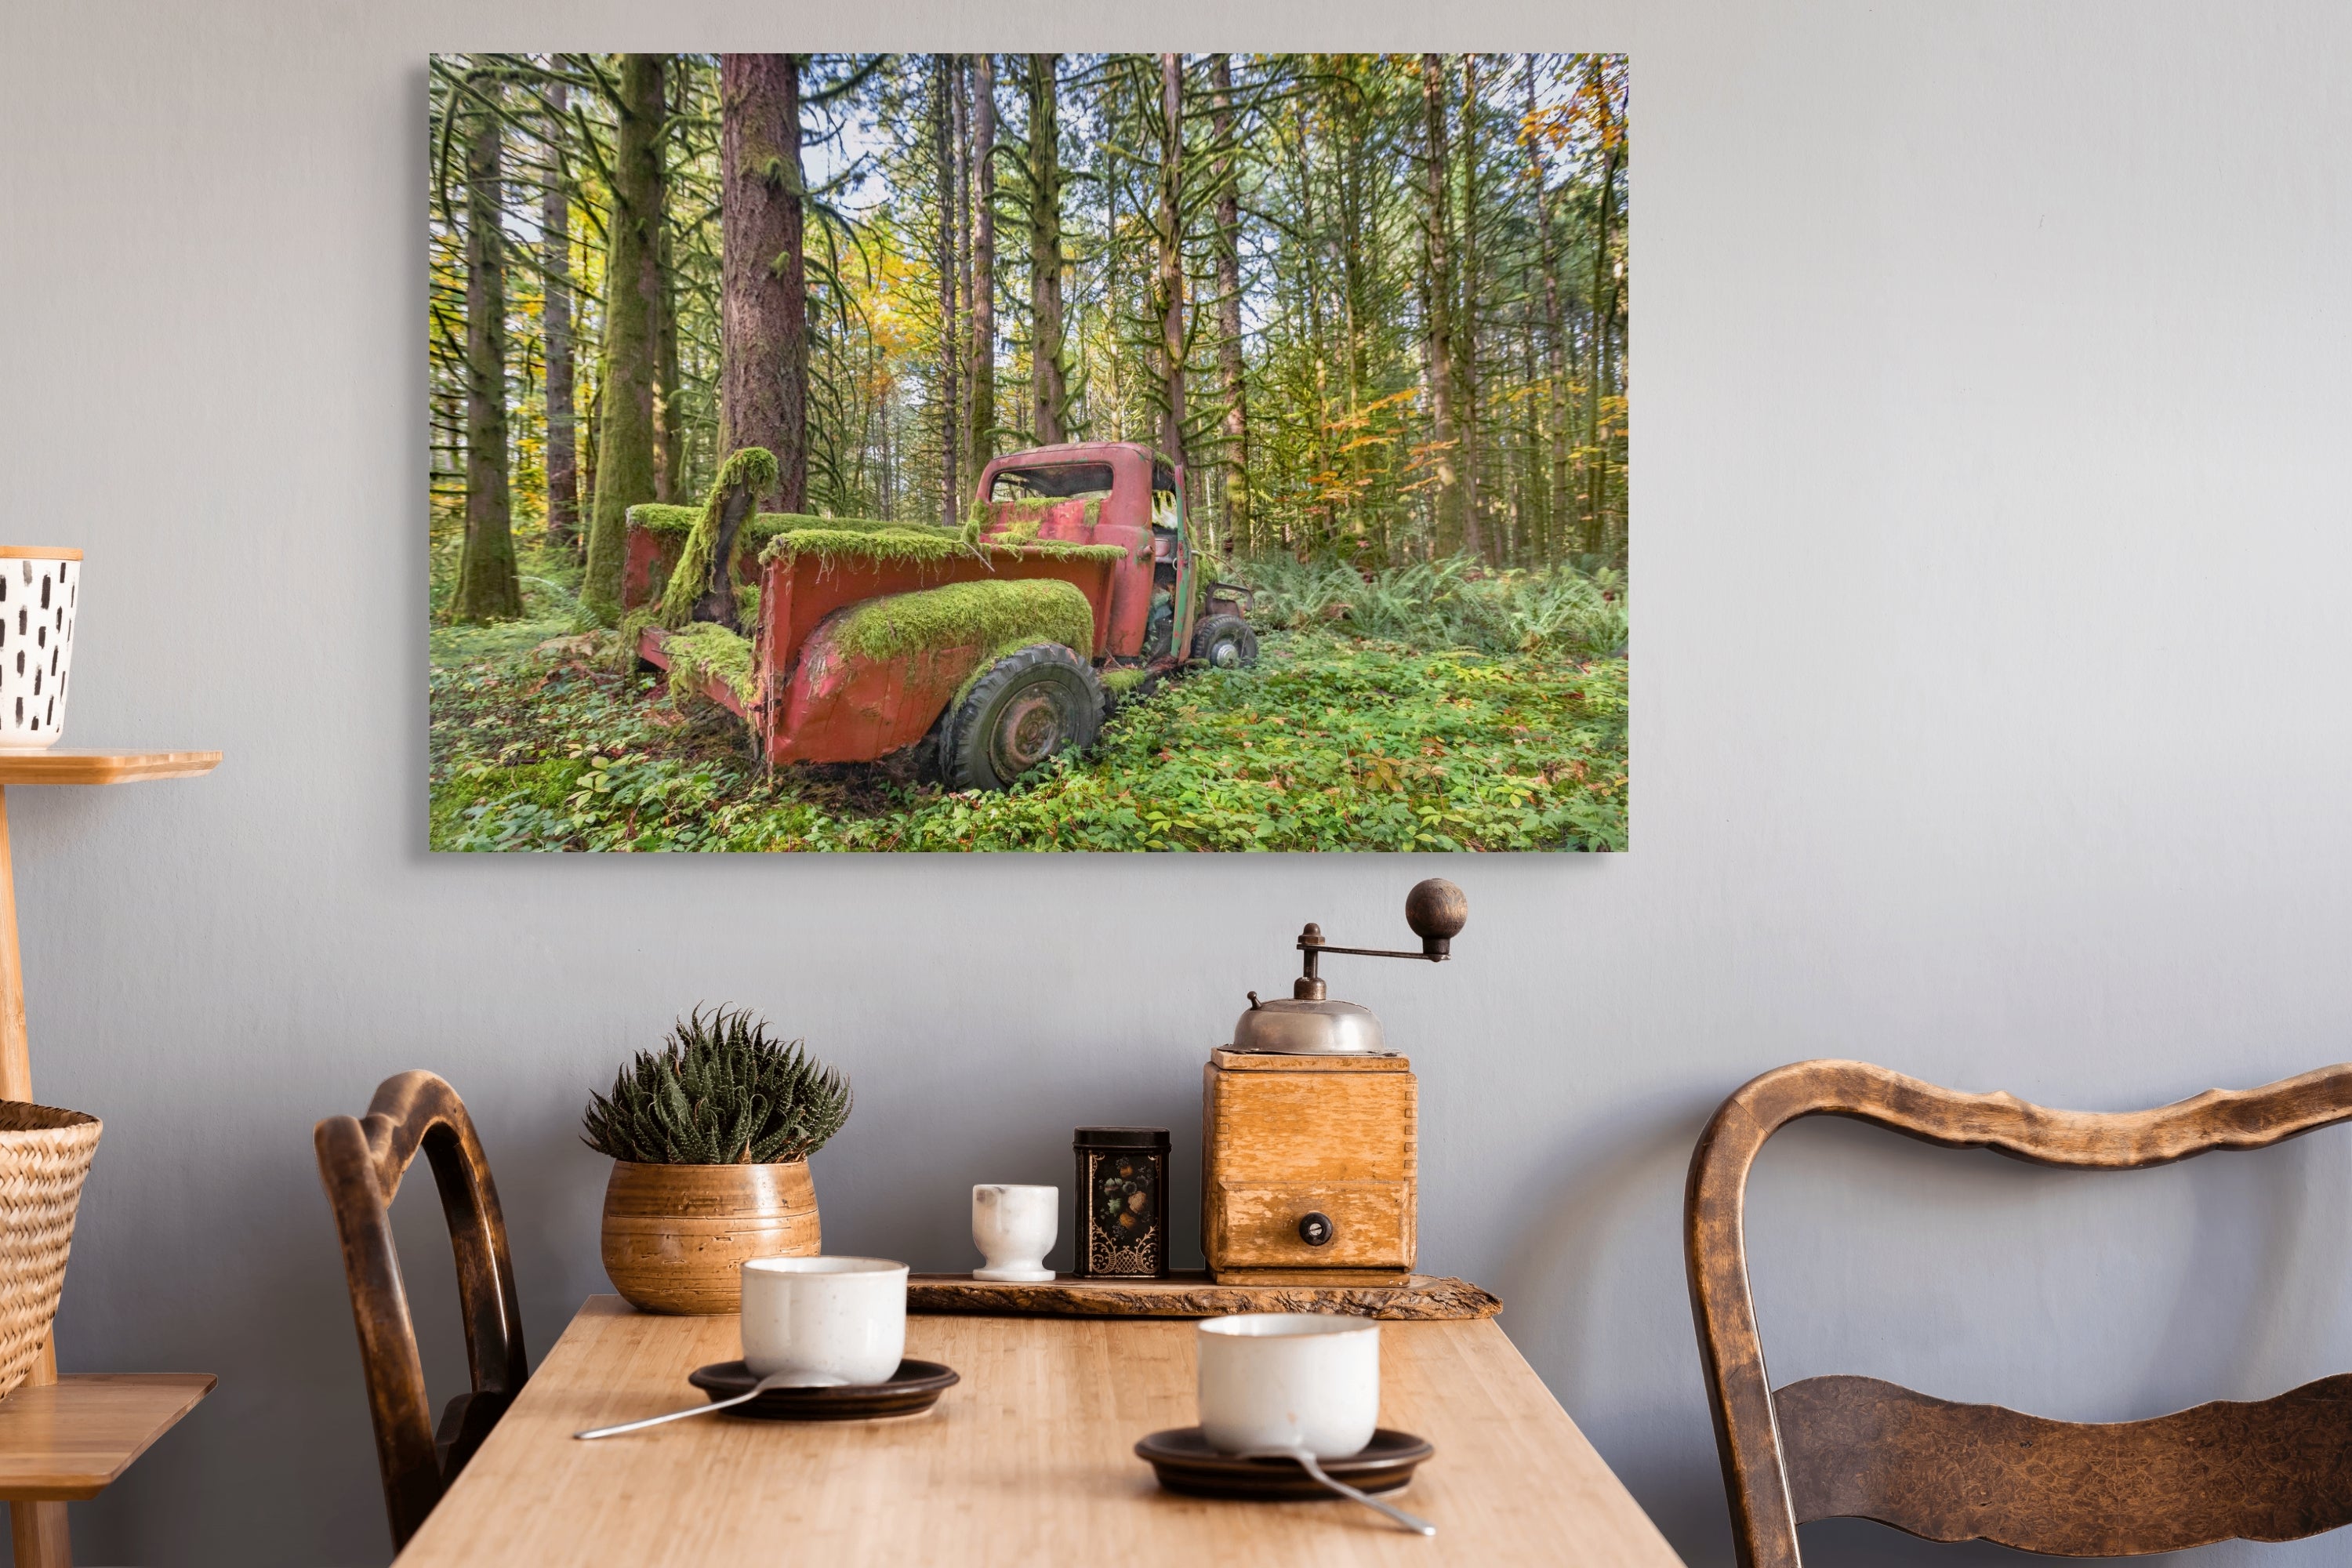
1309,1128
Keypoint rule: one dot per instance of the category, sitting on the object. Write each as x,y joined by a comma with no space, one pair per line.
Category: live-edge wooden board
1423,1297
85,767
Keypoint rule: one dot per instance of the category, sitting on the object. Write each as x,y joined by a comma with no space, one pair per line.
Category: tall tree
1556,398
1437,303
555,263
1604,309
1465,332
952,430
764,303
487,588
669,409
1236,457
982,439
1168,291
624,448
1049,388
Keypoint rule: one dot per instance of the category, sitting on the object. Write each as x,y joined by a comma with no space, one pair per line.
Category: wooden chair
361,1162
1857,1448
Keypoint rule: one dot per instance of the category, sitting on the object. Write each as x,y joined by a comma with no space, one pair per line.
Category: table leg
37,1529
16,1056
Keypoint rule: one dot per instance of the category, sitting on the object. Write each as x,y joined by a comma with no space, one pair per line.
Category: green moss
706,651
988,615
753,467
546,784
1119,682
1017,522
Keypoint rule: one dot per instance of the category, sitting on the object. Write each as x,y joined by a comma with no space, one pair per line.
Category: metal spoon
1306,1459
774,1381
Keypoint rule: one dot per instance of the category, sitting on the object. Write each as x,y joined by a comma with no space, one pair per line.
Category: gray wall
1992,724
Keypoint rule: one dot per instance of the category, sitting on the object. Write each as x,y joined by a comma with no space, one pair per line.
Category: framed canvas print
1038,451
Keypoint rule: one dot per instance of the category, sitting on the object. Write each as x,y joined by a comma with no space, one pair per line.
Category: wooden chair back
361,1161
1838,1446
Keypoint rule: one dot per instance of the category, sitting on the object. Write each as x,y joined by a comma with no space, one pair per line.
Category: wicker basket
44,1153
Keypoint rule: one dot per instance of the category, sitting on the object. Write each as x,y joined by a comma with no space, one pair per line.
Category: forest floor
1333,740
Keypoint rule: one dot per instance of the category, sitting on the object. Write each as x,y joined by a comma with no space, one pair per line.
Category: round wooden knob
1437,911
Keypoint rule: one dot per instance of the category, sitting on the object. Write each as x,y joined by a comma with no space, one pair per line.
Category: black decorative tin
1123,1201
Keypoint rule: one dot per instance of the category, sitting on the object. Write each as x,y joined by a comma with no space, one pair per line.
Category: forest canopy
1376,306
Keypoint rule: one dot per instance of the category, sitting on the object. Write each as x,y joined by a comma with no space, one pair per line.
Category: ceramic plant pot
676,1236
39,585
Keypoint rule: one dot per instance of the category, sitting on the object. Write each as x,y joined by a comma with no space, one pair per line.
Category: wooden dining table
1028,1461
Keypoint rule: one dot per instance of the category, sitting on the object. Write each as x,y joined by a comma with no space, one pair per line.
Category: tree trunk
487,588
1049,384
984,262
670,429
1604,306
1437,306
1236,457
1169,291
1466,329
764,301
624,448
943,156
555,247
1556,493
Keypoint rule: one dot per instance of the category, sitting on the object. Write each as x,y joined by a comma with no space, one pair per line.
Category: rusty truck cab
1107,492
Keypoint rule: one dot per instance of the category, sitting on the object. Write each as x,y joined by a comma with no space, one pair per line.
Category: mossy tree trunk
487,588
763,308
555,244
624,448
669,410
1048,379
982,440
1167,286
1236,457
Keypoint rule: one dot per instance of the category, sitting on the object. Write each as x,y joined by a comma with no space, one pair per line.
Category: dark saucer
915,1387
1185,1463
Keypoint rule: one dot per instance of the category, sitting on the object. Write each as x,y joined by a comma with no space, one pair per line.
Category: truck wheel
1027,706
1225,642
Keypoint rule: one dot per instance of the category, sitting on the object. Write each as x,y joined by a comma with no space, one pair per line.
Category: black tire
1024,708
1224,642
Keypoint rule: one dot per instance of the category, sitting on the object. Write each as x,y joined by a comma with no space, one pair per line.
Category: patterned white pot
39,586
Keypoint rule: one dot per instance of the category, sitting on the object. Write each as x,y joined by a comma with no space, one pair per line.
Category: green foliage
754,467
706,651
1329,743
719,1092
1452,603
1119,682
989,615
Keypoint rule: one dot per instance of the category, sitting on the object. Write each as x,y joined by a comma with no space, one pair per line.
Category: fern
719,1092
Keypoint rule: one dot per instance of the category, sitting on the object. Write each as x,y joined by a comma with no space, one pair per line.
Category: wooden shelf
79,767
72,1438
1423,1297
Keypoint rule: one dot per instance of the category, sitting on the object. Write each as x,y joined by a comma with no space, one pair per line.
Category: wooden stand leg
36,1529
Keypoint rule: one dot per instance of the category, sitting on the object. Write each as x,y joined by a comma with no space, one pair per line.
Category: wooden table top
1029,1461
72,1438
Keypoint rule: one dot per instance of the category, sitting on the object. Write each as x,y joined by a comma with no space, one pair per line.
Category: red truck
979,652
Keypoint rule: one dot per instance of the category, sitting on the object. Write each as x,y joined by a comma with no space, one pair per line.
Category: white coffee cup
1286,1380
1014,1228
824,1317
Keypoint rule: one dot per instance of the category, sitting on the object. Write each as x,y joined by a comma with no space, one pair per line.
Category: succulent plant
719,1092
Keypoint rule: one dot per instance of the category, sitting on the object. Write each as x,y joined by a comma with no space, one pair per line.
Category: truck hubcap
1030,730
1226,654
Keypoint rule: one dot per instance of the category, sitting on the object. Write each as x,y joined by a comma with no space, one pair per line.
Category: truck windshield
1062,481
